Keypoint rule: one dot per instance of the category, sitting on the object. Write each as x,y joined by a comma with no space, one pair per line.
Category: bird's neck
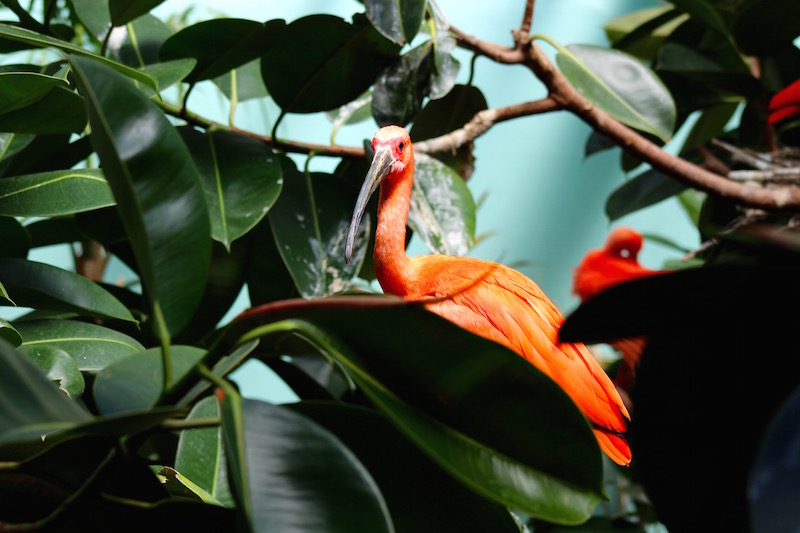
391,262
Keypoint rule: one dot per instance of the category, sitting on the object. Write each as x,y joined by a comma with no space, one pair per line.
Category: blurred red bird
785,103
488,299
615,263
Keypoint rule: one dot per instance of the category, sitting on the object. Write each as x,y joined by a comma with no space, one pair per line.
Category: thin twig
481,122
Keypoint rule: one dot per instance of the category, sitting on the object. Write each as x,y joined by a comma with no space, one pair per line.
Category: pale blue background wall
544,204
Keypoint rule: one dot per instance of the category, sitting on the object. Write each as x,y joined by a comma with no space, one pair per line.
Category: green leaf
642,32
21,89
134,383
331,489
40,285
242,83
446,114
168,73
29,398
704,12
399,92
7,332
686,62
54,193
94,15
157,190
453,393
310,222
644,190
200,456
397,20
35,39
12,143
124,11
340,62
241,178
140,41
266,275
442,210
764,28
16,241
621,86
440,504
181,486
59,111
93,347
711,124
220,45
59,367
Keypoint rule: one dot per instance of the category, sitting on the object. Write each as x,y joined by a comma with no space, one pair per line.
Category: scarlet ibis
616,262
785,103
486,298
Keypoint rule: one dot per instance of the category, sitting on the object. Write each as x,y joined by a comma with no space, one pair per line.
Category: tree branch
569,98
481,122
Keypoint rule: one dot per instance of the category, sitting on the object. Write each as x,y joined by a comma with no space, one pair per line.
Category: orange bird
600,269
488,299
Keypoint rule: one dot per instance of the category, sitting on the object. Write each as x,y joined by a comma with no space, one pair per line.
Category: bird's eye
401,146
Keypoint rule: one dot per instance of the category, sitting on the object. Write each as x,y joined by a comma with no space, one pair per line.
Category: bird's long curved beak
381,165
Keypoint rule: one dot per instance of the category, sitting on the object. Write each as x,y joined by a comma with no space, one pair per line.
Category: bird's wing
503,305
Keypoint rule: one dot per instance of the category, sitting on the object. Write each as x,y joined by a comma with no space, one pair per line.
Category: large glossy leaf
40,285
310,222
704,12
137,43
483,413
398,21
59,367
241,178
168,73
684,61
21,89
94,15
442,210
58,111
399,92
299,476
764,27
200,456
641,32
22,35
28,398
54,193
135,382
16,241
124,11
443,115
621,86
340,62
266,275
92,347
645,189
157,190
220,45
439,504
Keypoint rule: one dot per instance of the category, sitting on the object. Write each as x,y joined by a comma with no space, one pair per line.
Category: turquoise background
543,202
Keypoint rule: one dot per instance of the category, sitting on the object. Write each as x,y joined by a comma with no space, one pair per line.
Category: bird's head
624,242
392,156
